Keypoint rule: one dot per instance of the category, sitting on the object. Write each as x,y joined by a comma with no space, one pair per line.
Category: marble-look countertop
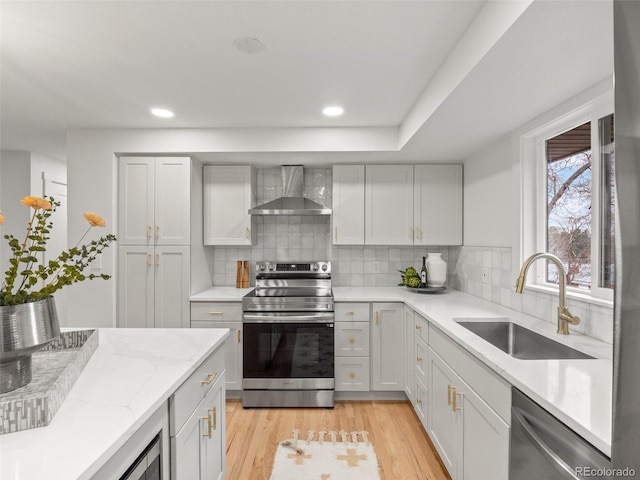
130,375
577,392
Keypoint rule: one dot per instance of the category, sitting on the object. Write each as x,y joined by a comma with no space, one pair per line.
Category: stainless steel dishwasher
543,448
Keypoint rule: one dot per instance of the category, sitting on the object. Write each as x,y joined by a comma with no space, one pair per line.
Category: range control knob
324,267
314,267
272,267
262,267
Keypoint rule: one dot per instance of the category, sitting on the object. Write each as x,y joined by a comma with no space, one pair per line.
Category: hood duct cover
292,202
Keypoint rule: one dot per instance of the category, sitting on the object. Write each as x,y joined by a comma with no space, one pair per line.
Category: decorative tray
426,289
55,369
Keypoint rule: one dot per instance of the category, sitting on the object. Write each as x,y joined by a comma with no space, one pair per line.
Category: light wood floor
403,449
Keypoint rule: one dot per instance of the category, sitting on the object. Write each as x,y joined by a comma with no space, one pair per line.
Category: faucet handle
565,314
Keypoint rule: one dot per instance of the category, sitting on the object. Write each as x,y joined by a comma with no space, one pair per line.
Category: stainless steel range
288,346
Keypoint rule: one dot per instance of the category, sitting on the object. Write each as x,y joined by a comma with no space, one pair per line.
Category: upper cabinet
397,205
229,193
437,207
348,205
388,218
154,201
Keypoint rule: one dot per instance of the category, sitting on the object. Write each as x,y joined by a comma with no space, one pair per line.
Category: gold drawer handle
247,233
352,375
148,232
209,379
419,359
418,327
455,403
450,389
352,340
352,313
238,336
157,232
419,400
208,432
215,312
212,411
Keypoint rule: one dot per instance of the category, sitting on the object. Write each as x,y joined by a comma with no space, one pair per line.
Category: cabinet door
213,448
136,191
389,205
352,374
171,286
387,357
228,196
485,440
443,423
172,201
348,205
438,204
135,286
421,402
409,353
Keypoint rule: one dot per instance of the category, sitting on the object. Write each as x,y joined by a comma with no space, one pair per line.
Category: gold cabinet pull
238,336
450,389
209,379
351,313
148,259
157,259
209,427
214,417
352,375
352,340
377,317
419,233
418,327
418,400
247,233
410,233
216,312
148,232
419,359
455,403
157,232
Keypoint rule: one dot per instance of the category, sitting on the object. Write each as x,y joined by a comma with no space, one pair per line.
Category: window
574,201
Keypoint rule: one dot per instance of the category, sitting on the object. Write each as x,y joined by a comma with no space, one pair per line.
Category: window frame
534,196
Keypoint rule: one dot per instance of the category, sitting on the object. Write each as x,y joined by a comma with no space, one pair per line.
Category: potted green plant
28,318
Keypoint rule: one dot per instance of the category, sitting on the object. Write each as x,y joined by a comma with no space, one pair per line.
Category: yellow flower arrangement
27,280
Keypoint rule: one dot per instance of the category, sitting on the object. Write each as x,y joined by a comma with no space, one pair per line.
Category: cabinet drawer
421,360
352,374
194,389
352,312
492,389
352,339
217,311
422,328
444,346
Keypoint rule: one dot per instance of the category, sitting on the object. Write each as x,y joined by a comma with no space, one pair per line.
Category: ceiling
446,77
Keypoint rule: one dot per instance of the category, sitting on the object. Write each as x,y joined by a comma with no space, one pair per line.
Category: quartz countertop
577,392
130,375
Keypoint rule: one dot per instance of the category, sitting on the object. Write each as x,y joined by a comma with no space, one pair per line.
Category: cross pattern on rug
352,457
299,457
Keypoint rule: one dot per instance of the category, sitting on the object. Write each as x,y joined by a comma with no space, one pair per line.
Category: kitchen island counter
129,377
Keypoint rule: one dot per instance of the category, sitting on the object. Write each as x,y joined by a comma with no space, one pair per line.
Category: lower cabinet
409,347
387,342
352,360
352,374
197,423
470,437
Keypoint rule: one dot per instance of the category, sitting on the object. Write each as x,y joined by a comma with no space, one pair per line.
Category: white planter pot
436,270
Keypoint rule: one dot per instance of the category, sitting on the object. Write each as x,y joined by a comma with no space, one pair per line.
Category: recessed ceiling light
248,45
333,111
162,112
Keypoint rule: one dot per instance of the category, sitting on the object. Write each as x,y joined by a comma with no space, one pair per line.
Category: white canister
436,270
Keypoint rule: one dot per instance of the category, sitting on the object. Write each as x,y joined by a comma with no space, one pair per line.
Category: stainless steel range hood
292,202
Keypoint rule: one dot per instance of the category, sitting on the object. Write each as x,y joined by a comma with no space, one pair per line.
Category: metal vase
24,329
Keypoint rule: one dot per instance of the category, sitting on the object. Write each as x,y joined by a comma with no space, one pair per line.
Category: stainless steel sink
522,343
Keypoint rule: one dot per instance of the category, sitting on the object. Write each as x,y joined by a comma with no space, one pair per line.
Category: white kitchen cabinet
197,423
153,286
223,315
387,341
352,352
389,205
352,374
348,204
437,214
471,438
352,339
229,193
409,349
154,200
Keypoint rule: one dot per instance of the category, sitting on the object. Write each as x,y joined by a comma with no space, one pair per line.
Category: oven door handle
269,318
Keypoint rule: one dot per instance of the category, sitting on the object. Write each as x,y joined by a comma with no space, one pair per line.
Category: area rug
326,456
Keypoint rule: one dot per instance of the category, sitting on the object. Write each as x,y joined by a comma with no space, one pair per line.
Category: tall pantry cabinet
154,241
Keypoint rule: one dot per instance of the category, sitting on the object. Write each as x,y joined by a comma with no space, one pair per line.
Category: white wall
488,192
15,178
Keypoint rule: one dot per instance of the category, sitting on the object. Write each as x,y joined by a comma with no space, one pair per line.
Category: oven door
288,351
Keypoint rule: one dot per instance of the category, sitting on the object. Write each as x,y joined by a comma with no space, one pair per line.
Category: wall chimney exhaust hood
292,202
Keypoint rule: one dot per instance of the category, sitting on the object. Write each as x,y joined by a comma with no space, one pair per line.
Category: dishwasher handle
553,458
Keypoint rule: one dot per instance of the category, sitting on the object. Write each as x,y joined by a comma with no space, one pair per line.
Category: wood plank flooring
403,449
